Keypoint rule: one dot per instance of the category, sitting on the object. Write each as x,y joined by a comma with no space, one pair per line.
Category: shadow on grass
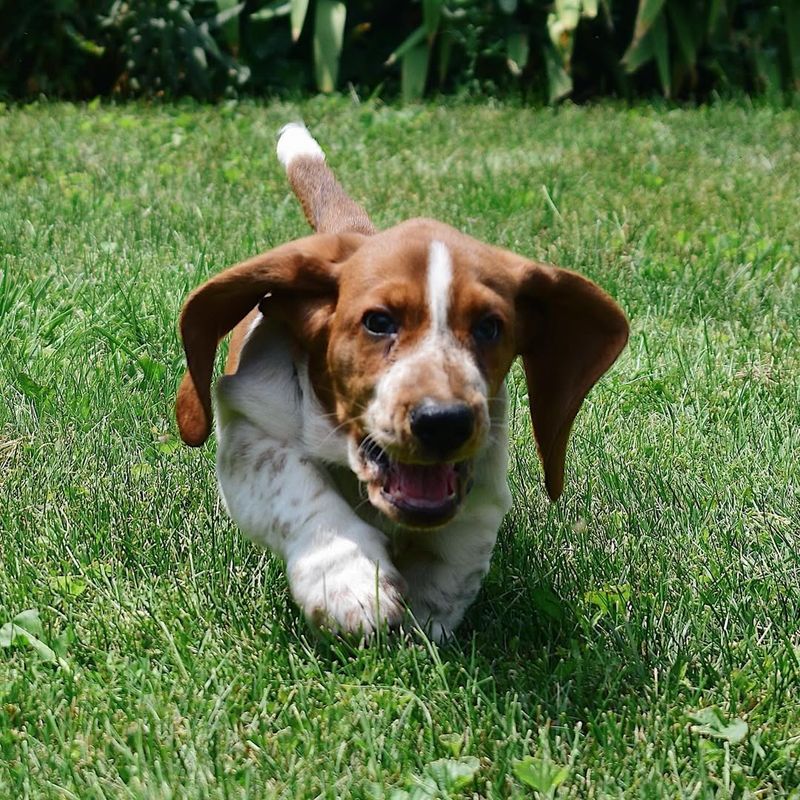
520,642
549,645
525,636
558,661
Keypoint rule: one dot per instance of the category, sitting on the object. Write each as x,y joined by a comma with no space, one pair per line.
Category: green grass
666,581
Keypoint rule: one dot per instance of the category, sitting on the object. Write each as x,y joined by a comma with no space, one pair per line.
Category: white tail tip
294,140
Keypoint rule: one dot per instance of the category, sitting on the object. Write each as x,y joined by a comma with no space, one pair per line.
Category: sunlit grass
664,583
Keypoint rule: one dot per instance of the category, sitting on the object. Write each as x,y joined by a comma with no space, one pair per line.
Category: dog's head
410,334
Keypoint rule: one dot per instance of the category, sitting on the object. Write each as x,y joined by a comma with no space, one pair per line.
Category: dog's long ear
306,266
569,332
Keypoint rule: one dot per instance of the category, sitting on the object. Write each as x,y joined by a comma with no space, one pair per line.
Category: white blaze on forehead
440,277
437,354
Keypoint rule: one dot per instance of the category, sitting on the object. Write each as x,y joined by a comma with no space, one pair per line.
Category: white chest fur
347,565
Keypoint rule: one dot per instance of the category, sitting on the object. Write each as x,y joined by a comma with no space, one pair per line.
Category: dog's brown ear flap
307,265
569,332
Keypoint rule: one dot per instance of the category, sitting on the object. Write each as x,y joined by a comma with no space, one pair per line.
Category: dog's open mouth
422,495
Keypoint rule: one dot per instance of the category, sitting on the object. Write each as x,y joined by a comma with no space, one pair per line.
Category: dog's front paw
356,598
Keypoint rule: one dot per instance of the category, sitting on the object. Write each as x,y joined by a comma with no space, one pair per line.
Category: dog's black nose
442,429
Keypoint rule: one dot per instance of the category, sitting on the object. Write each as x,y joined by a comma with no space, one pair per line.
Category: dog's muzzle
419,495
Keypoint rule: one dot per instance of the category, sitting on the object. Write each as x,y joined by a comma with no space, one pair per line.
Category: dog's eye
380,323
488,330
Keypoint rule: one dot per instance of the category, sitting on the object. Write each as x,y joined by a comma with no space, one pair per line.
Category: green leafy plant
171,48
51,46
551,48
327,34
508,35
710,722
540,774
440,779
608,601
26,631
562,24
740,42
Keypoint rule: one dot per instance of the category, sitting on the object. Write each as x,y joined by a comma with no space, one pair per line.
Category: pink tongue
422,483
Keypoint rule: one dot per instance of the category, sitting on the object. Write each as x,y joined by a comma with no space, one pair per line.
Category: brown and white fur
361,425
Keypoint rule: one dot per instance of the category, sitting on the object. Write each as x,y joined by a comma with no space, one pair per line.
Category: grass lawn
637,639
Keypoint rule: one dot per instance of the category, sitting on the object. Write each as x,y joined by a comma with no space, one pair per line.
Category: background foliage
214,48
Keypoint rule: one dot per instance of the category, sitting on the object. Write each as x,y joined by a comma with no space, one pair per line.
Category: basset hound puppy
362,421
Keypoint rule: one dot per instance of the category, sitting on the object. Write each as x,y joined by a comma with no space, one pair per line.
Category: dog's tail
326,205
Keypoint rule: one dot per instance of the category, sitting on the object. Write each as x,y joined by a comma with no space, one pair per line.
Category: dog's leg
445,575
444,569
338,567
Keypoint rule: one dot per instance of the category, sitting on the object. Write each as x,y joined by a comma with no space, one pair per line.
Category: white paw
357,598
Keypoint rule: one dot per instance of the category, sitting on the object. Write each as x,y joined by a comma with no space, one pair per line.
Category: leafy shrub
746,45
551,48
53,46
170,47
